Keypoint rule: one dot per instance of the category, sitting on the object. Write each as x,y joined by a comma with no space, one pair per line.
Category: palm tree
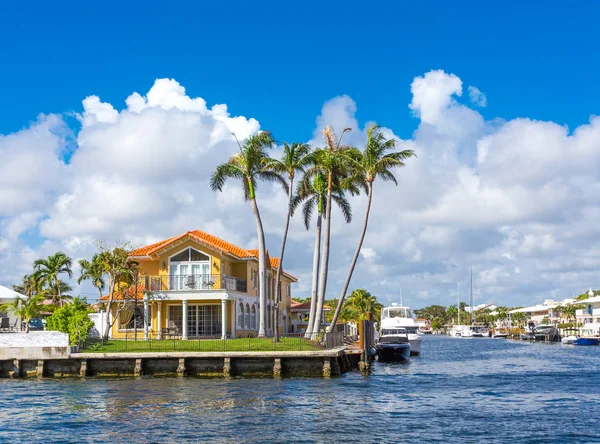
295,158
330,161
374,161
363,303
247,166
312,190
30,286
48,271
570,311
26,309
94,272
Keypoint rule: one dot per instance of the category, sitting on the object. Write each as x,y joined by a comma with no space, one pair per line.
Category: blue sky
273,60
499,185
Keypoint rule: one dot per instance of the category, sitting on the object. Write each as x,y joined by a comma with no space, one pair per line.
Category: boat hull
415,344
586,341
388,352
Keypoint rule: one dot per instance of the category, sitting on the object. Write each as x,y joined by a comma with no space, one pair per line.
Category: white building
6,297
589,316
537,313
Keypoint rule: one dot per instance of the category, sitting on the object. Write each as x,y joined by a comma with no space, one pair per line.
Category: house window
247,317
133,317
253,317
240,318
175,318
189,270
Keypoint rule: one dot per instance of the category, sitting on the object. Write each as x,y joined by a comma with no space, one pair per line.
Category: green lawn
202,345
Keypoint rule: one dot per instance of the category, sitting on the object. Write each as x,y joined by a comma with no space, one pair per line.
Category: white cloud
477,97
517,200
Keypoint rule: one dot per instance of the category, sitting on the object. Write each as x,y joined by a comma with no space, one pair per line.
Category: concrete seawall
323,363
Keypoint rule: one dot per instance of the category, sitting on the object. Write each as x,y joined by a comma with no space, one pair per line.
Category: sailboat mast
458,301
472,295
401,303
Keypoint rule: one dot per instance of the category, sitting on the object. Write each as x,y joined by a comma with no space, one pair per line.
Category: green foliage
431,312
437,324
357,305
566,325
72,319
48,271
25,310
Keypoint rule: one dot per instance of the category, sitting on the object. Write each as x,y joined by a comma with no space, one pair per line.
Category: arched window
247,319
253,317
240,317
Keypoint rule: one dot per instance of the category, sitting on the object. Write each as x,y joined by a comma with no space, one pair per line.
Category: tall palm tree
312,192
376,160
30,286
247,166
295,158
330,161
94,272
48,271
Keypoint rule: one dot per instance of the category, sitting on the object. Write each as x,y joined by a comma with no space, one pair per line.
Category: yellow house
197,285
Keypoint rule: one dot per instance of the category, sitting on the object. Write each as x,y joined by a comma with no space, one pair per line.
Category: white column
224,319
159,319
184,321
145,316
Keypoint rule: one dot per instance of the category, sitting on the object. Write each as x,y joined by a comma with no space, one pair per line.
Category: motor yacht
397,316
393,345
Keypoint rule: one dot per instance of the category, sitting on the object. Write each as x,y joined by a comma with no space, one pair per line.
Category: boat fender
372,351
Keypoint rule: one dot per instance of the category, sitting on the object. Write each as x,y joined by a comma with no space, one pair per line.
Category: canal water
459,390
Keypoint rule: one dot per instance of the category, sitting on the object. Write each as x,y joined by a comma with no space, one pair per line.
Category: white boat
467,332
572,335
456,331
401,317
500,333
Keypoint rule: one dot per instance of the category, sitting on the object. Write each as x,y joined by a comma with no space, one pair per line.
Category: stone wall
34,345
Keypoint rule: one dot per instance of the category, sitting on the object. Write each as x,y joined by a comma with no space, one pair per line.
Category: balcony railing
194,282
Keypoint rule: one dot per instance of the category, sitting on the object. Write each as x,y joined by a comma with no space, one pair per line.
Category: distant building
300,312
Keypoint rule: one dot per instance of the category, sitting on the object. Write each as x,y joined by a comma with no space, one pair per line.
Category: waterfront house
300,312
544,312
197,285
589,316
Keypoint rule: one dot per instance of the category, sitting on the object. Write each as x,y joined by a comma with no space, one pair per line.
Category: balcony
585,312
194,282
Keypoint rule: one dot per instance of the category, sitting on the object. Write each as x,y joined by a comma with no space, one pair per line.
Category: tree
376,160
519,317
247,166
312,192
329,161
570,311
295,158
72,319
120,270
48,271
437,324
364,302
26,309
94,272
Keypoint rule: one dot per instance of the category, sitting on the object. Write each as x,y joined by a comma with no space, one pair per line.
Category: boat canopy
396,312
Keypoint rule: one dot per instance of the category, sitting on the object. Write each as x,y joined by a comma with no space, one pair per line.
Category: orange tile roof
305,305
212,241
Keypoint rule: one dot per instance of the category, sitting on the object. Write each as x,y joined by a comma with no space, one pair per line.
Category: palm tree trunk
262,270
354,259
315,280
324,267
280,268
58,290
111,286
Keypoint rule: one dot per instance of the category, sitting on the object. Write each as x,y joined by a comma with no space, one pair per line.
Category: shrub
566,325
72,319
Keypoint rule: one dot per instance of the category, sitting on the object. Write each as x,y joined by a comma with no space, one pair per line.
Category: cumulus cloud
517,199
477,97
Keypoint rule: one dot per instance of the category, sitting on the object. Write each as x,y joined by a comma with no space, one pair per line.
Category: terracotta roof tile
305,306
212,241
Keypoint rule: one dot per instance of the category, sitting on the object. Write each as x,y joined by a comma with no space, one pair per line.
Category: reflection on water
460,390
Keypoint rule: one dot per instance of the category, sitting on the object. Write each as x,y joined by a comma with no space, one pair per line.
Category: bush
566,325
72,319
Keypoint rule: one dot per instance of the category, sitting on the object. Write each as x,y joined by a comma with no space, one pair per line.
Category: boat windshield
393,331
400,312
